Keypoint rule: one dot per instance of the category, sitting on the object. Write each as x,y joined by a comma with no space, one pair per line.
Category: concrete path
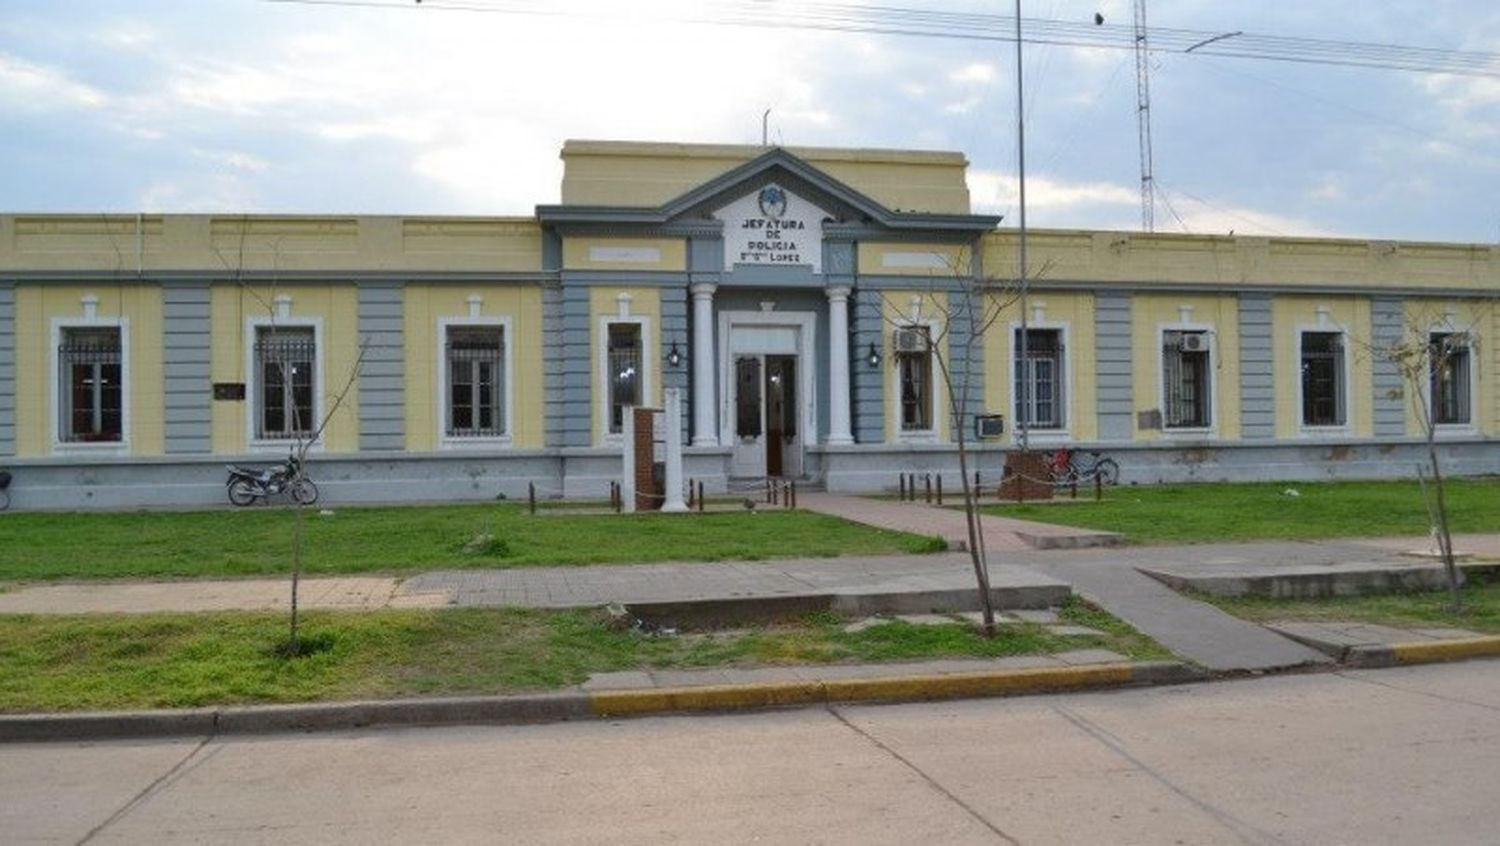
1000,533
550,587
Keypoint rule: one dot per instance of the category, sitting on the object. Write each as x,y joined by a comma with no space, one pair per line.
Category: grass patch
1203,513
89,662
257,541
1425,609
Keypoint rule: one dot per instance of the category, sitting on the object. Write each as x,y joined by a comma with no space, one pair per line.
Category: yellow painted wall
36,307
948,260
1076,310
897,307
1290,316
425,304
1148,314
1480,318
604,302
337,305
671,254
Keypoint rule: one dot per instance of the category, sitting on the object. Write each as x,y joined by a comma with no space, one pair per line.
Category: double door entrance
767,437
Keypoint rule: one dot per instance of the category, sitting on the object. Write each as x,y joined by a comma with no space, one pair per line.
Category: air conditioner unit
1194,342
910,340
989,425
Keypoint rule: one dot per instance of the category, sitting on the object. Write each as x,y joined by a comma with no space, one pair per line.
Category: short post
700,497
770,488
901,487
977,487
692,489
794,495
1073,487
1098,487
927,489
531,496
786,495
940,489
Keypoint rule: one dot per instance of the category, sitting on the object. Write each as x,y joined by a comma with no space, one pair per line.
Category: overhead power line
896,20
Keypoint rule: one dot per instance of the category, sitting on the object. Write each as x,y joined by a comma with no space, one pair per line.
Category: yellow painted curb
606,703
1445,650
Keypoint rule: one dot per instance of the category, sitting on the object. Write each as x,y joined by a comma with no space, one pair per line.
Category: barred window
1042,366
914,369
1186,380
1448,377
285,358
1323,379
476,381
92,390
624,371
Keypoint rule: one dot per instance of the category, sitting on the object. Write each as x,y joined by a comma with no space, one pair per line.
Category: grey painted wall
552,364
674,327
382,376
1388,325
186,385
1257,388
7,368
1113,362
965,365
575,423
868,383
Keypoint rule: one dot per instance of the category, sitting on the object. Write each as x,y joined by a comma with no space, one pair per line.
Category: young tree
974,302
1433,357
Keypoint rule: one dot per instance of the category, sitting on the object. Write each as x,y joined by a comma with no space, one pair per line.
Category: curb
558,707
1423,652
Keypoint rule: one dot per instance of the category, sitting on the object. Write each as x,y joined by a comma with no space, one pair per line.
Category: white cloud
29,86
992,191
975,73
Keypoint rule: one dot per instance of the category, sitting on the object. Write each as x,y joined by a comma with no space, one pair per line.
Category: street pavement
1407,755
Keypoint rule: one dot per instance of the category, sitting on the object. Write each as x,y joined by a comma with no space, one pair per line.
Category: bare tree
976,303
305,434
1433,358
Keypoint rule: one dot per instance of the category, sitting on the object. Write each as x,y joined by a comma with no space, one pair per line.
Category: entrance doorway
767,437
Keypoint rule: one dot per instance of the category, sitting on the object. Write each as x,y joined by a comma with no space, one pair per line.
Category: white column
627,456
838,366
705,398
673,414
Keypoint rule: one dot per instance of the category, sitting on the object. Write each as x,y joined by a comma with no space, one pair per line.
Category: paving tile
1031,615
1074,631
1090,656
927,619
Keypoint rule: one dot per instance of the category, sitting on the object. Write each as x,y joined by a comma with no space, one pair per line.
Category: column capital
838,292
703,289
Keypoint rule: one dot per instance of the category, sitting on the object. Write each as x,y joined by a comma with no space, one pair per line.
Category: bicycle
1070,466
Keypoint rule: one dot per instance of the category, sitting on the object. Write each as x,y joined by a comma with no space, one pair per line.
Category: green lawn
354,540
1428,609
182,660
1204,513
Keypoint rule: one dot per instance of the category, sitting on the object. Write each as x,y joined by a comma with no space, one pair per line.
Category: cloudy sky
252,106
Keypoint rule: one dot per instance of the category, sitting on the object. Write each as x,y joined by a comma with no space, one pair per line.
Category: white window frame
1059,435
253,399
1344,379
507,346
939,390
106,448
1470,428
601,359
1212,334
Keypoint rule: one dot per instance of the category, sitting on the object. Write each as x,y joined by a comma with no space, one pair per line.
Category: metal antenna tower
1143,116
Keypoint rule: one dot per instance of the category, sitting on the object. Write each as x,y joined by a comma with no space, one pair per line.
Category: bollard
901,487
927,489
531,496
1098,487
1073,487
769,489
700,497
794,496
786,495
940,489
691,490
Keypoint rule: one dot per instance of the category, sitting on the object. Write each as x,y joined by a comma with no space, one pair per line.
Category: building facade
831,315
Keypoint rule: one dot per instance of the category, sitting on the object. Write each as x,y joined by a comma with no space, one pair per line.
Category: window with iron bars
1186,380
1323,379
1042,366
89,362
624,371
1448,378
476,381
285,358
914,369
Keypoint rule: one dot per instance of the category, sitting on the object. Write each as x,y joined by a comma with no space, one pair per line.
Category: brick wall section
647,497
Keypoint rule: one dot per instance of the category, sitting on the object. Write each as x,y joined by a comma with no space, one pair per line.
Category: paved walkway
1000,533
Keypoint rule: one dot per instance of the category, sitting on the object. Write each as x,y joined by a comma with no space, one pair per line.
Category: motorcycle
247,484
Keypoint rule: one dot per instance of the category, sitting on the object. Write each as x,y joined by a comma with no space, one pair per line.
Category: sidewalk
1000,533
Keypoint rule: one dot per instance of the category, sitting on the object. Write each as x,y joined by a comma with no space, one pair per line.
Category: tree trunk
1445,538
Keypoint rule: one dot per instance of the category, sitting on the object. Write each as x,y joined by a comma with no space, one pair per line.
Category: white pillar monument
838,366
705,398
672,496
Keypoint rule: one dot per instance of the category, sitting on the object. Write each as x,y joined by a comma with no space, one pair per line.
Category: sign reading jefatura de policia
772,226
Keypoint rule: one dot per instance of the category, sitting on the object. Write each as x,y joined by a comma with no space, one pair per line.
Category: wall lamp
674,358
874,357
